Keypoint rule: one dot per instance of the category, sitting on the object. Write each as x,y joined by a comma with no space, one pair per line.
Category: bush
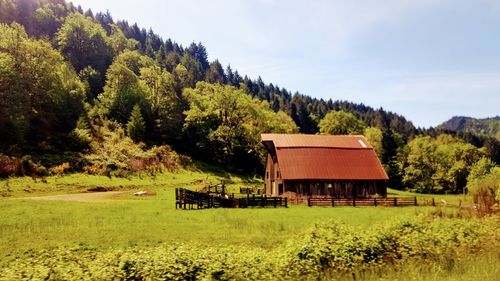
25,166
485,191
9,166
60,169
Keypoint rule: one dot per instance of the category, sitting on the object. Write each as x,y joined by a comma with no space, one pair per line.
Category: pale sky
427,60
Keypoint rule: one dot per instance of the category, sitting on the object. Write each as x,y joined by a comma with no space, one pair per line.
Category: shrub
9,166
485,191
60,169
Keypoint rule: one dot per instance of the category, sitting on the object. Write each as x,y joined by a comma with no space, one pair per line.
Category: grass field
124,221
127,220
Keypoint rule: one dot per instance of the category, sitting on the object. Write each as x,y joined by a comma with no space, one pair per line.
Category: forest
81,91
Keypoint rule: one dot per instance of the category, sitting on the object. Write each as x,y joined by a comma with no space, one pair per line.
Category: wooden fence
262,201
188,199
251,190
387,201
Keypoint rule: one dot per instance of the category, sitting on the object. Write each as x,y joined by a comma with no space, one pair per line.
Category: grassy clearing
125,220
128,220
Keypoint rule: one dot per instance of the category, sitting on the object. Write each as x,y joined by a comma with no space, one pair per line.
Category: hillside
43,18
82,92
487,126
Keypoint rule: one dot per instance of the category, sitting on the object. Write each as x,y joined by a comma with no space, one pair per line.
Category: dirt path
81,197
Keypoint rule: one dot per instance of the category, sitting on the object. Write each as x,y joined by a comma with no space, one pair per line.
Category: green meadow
104,223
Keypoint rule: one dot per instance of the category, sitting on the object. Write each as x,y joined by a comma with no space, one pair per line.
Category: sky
427,60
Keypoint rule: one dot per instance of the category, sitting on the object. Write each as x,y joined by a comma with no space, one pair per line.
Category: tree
223,124
199,53
93,80
134,61
119,42
194,69
341,123
374,137
165,104
136,125
392,146
479,169
439,164
84,43
149,50
215,74
122,92
181,77
161,56
40,93
49,17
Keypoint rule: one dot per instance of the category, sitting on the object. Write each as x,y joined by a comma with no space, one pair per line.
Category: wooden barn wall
337,189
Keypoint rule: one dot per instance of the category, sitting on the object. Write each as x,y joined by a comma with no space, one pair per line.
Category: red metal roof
301,140
324,157
329,163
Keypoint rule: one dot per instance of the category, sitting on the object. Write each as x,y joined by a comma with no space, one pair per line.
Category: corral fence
188,199
262,201
251,190
382,201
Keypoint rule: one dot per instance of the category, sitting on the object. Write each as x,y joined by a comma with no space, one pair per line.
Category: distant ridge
486,126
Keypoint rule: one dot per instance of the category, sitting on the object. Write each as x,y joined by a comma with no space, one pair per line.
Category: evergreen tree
149,51
215,74
136,127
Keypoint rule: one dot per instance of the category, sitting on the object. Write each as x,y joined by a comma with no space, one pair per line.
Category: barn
322,165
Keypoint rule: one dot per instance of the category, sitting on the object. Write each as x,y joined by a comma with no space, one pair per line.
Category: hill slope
487,126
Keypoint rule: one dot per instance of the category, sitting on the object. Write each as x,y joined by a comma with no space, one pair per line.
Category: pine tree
149,51
136,125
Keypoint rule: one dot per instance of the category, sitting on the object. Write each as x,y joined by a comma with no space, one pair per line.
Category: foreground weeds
330,250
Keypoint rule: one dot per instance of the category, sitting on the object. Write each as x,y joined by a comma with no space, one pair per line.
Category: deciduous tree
341,123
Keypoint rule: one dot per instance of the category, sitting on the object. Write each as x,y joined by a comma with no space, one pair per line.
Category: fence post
184,198
309,201
375,201
415,200
274,202
333,204
354,201
433,203
395,201
286,202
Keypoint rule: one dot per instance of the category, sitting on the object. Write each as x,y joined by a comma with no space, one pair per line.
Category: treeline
44,18
427,164
81,91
